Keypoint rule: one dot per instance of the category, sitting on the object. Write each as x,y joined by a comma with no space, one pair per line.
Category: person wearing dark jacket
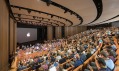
62,60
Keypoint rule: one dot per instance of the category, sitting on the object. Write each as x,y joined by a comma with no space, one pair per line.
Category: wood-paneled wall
58,32
4,24
49,32
69,31
7,36
13,33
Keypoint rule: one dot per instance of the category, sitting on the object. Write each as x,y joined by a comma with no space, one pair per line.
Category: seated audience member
53,59
82,49
40,60
112,51
77,62
44,66
51,65
88,54
100,65
62,60
56,63
72,54
111,55
58,57
85,46
83,56
108,61
35,66
67,65
21,67
93,49
113,46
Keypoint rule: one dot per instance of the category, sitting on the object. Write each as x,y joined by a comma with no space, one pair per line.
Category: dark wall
53,32
63,31
22,25
42,33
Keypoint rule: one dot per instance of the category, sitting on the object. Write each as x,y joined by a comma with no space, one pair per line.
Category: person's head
110,52
101,62
83,52
109,47
103,54
77,56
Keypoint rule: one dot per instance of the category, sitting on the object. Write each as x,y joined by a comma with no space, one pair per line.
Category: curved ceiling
65,12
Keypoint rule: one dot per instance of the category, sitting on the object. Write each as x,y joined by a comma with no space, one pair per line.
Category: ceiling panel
110,9
86,9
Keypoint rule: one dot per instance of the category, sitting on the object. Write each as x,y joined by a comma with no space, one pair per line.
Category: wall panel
49,33
58,32
69,31
4,19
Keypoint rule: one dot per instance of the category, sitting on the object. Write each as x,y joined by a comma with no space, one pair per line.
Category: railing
84,65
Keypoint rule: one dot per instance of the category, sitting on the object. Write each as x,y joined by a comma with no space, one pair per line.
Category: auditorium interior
59,35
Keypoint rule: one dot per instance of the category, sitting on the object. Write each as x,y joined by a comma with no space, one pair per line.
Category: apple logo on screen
28,34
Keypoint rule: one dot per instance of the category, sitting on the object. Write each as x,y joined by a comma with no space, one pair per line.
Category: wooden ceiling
65,12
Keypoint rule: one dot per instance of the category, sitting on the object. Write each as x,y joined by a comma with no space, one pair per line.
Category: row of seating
84,65
69,60
15,62
88,61
61,65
